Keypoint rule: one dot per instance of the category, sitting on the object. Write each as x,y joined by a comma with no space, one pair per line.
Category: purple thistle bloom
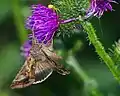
26,48
97,7
43,22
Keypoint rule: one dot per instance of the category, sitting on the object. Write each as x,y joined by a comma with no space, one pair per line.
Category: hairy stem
100,49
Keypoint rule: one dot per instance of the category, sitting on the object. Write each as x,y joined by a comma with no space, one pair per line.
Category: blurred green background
13,34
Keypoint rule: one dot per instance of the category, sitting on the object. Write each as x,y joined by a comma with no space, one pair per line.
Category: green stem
22,34
90,83
75,65
100,49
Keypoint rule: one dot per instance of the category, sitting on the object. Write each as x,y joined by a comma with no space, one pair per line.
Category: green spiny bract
70,9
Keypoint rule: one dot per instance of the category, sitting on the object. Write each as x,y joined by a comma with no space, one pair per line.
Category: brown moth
39,65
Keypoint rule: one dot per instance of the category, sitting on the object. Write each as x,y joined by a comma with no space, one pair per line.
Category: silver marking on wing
42,71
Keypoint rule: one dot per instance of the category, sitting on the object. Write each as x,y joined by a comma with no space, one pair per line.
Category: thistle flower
97,7
43,23
25,49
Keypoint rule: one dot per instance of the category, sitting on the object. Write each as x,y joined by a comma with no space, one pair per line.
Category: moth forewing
42,72
25,76
22,84
39,65
36,68
54,59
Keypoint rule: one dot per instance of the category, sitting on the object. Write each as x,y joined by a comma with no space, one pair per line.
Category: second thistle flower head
97,7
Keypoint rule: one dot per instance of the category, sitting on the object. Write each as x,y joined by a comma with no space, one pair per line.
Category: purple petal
97,7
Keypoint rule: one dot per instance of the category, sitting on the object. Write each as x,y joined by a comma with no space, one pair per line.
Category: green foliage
19,20
92,37
88,77
69,9
100,50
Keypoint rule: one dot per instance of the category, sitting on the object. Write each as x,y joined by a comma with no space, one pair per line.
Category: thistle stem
100,49
68,20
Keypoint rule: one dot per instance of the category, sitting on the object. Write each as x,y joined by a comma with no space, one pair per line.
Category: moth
39,65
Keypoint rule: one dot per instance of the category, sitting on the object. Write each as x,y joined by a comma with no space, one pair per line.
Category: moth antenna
34,39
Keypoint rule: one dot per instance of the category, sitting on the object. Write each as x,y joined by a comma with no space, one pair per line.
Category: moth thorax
38,55
35,49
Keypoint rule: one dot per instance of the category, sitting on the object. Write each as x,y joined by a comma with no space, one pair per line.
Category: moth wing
42,71
22,79
54,59
22,84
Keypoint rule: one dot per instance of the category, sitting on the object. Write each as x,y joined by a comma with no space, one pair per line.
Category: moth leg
61,70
